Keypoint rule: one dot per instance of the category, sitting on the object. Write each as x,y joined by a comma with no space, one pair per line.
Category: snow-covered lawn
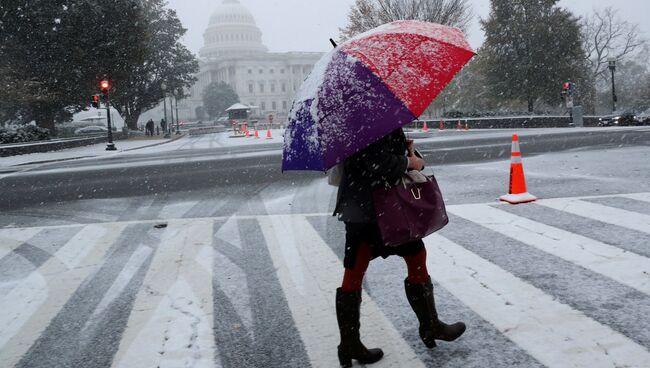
94,150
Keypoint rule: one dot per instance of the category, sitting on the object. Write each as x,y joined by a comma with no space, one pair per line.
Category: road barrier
206,130
514,122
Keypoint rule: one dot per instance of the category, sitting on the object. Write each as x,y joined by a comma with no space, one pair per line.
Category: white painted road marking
10,239
313,306
610,215
643,197
28,309
620,265
176,210
553,333
171,321
173,309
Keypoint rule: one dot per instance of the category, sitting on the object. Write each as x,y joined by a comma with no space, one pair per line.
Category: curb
84,157
175,138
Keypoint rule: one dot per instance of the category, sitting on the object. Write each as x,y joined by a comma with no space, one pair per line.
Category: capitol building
233,52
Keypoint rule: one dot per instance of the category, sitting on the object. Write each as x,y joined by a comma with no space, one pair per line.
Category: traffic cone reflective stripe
466,126
459,127
517,192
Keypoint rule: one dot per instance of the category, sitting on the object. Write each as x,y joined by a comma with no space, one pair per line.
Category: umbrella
367,87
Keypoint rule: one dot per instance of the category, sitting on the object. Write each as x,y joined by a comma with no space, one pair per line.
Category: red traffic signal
104,86
96,101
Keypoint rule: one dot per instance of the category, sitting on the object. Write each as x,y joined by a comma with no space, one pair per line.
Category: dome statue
232,31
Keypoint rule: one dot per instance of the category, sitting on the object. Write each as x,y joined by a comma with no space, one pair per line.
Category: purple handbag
410,210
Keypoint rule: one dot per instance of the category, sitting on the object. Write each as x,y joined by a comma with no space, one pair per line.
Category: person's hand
416,163
409,147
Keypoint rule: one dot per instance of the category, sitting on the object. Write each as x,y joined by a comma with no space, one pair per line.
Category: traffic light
104,86
567,89
96,101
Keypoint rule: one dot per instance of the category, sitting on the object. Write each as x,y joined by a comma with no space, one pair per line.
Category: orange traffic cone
248,133
517,193
442,125
466,126
459,126
425,128
268,134
257,134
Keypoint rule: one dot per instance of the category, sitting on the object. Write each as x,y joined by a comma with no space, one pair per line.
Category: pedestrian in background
163,125
380,164
149,127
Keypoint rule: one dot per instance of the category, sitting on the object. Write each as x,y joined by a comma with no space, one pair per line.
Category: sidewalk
94,150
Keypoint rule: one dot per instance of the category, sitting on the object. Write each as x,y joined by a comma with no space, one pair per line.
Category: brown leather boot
422,302
348,305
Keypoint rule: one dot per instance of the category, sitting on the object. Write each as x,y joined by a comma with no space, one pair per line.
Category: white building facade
233,52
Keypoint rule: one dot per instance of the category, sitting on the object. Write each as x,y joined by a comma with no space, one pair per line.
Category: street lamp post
178,127
612,68
170,124
164,89
105,87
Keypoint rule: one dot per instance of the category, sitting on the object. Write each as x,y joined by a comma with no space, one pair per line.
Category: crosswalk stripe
553,333
131,267
622,266
311,294
10,239
30,306
171,320
171,220
644,197
627,219
176,210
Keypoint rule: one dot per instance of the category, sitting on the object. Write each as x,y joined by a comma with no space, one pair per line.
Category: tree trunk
45,119
132,120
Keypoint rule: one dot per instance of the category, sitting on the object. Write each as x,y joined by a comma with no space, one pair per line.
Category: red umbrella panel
369,86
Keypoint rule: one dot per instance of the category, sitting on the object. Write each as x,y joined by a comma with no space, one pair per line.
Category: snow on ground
434,135
94,150
226,139
219,140
562,282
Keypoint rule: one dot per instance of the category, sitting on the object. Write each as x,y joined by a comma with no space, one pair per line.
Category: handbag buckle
416,196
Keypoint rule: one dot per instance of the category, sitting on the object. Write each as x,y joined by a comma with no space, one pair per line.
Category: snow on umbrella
367,87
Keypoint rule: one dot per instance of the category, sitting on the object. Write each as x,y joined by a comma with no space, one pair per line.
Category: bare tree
605,35
368,14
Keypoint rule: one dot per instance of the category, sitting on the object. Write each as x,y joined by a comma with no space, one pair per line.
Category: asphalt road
179,170
229,263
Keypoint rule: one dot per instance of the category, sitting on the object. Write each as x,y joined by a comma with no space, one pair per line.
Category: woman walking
380,164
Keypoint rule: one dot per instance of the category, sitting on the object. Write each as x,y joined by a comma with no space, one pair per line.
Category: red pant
353,277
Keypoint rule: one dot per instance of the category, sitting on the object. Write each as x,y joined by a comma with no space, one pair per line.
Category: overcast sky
306,25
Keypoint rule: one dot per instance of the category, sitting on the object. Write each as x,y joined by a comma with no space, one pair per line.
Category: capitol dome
232,31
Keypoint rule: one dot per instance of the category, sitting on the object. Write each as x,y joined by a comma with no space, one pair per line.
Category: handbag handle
417,196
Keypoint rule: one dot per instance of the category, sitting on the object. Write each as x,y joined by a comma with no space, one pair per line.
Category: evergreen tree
35,52
163,59
531,47
54,52
217,97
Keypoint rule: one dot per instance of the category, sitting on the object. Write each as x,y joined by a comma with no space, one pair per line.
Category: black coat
383,162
